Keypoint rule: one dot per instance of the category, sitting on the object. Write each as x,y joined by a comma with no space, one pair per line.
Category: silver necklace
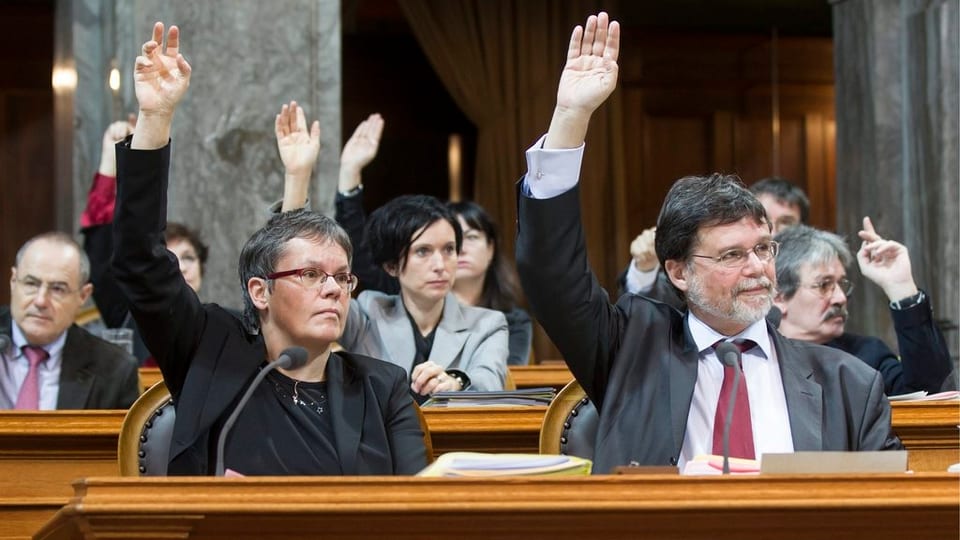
318,404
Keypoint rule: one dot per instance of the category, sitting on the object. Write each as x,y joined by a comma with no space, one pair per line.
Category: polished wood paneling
630,506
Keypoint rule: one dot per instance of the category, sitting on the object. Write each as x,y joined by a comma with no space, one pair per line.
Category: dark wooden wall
26,127
700,104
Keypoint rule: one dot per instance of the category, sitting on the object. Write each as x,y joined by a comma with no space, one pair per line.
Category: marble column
248,57
896,64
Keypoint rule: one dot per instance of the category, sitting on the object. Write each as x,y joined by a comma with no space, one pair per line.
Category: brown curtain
501,61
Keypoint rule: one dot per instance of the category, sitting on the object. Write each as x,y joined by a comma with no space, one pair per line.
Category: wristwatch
460,377
908,302
353,192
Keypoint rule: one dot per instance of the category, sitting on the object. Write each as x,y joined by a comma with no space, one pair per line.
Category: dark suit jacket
94,374
208,359
637,361
924,362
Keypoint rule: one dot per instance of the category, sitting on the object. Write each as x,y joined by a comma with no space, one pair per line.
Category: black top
284,429
424,344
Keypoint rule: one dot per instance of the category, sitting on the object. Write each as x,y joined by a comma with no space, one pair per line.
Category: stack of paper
709,464
527,396
479,465
923,396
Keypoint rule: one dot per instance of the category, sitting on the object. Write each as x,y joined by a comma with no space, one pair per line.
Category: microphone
729,355
290,358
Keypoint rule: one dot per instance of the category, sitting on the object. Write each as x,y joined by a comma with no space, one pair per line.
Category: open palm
590,74
298,147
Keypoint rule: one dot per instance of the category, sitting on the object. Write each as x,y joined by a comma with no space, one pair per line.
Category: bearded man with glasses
650,369
813,290
46,361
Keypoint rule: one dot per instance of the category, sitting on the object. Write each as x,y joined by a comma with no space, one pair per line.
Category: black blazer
638,364
94,374
208,359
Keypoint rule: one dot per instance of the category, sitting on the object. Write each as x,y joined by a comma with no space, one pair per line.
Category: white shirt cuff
638,282
551,172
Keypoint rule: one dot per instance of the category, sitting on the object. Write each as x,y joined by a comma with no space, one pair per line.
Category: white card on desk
834,462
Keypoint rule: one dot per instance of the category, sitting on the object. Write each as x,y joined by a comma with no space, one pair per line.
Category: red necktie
741,430
29,396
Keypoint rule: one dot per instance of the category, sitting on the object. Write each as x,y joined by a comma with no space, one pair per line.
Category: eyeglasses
736,258
31,287
314,278
826,287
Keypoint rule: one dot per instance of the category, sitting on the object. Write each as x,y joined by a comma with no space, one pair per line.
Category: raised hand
359,151
643,250
590,74
298,147
115,132
886,263
160,78
161,75
588,78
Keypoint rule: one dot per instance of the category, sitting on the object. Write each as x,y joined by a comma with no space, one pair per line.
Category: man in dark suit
52,363
650,369
338,414
812,300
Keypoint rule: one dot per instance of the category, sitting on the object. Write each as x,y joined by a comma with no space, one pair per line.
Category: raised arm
96,223
359,151
167,311
588,78
924,356
299,149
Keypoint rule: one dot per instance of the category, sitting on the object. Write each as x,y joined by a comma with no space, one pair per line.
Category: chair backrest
144,445
570,425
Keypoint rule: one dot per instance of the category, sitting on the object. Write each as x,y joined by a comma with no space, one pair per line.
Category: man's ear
677,273
780,302
391,268
259,292
85,292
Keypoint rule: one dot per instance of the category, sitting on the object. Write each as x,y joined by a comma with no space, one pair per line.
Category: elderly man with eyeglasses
813,289
48,362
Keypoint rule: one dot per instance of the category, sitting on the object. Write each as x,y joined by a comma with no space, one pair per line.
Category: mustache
836,310
748,284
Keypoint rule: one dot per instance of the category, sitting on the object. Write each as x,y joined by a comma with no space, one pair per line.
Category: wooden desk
788,507
148,377
41,453
929,430
555,374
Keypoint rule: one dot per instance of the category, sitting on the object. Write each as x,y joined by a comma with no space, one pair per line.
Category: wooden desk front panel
787,507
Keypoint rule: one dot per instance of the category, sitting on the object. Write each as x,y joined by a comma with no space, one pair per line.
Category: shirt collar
704,337
54,349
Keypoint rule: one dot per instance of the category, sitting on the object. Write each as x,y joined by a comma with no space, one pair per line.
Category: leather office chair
570,424
144,445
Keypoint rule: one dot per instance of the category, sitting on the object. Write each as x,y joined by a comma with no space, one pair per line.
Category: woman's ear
677,273
391,268
259,292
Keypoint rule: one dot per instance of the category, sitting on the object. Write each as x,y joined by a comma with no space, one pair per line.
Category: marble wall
248,58
896,65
